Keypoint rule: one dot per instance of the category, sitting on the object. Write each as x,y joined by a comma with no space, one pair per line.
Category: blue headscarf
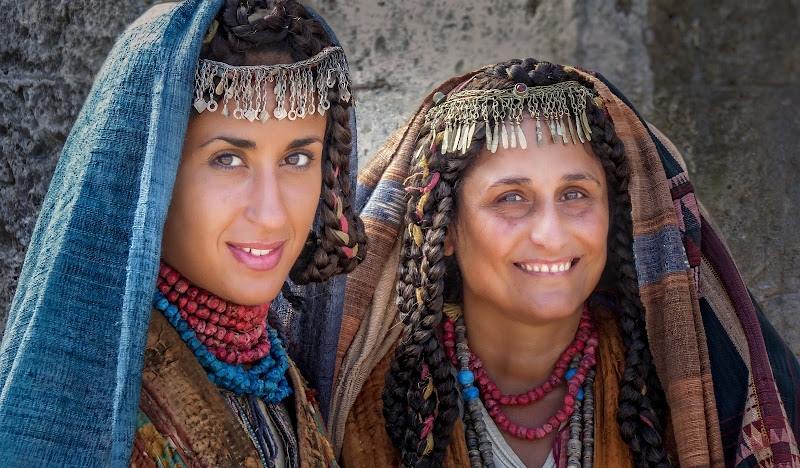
72,354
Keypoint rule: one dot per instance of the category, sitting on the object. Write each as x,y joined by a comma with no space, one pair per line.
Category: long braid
252,32
421,396
342,241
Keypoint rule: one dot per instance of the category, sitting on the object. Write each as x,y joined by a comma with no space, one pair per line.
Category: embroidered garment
72,353
208,427
727,376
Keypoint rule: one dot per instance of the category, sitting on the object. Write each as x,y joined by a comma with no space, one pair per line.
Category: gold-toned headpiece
561,106
245,87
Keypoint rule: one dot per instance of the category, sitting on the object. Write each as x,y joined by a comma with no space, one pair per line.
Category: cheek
593,232
303,197
193,215
477,243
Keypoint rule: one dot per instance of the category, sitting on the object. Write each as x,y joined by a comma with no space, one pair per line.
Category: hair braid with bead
263,32
423,273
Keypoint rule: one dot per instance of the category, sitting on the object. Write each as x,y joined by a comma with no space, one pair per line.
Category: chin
554,307
248,293
250,299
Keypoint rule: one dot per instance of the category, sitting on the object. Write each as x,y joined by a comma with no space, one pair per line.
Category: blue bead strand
266,379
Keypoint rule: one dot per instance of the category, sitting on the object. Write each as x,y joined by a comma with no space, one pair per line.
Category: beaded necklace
224,337
475,383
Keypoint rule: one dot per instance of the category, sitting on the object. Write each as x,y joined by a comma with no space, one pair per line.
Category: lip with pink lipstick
559,267
259,256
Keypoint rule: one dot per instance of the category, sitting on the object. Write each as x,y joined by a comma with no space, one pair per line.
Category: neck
233,333
516,355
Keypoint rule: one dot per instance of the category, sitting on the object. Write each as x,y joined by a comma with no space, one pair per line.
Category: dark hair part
423,272
266,32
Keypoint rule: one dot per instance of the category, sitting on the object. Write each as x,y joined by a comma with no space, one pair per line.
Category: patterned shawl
72,353
729,380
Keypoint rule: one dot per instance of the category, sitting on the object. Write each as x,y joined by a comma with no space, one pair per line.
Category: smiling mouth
254,252
555,267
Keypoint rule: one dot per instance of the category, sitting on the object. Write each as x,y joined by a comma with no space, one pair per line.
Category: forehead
550,162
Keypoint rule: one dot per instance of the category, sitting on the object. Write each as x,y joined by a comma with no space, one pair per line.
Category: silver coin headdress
561,107
297,91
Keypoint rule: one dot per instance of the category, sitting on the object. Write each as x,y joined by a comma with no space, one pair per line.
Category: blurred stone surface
720,79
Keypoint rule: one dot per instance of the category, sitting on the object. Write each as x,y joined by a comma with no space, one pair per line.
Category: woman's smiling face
531,229
243,204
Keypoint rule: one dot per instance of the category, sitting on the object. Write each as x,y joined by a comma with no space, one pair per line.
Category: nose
265,204
547,227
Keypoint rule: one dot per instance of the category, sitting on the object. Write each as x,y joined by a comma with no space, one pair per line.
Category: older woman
561,297
210,162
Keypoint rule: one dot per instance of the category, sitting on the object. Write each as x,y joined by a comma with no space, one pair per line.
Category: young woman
561,297
210,163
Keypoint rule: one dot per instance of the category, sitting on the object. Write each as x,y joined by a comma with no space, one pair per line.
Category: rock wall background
721,79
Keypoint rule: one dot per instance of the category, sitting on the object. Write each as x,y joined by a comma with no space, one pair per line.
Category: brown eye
298,160
228,160
510,197
572,195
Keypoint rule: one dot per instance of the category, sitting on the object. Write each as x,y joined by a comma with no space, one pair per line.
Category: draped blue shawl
71,357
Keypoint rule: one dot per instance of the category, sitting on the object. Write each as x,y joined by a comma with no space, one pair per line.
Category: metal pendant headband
561,106
297,93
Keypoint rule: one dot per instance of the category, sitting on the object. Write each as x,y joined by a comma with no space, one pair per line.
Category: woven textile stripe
659,255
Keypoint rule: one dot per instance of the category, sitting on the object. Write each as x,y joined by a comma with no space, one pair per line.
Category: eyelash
310,157
505,198
580,195
216,161
228,167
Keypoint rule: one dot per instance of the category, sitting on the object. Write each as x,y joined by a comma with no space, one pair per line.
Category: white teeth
256,252
547,268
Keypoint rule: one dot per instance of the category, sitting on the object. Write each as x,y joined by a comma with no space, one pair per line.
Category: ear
449,242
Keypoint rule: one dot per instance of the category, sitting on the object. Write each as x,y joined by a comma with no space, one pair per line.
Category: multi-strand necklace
575,365
225,337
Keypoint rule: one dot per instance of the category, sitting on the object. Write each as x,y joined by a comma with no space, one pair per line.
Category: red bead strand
585,343
233,333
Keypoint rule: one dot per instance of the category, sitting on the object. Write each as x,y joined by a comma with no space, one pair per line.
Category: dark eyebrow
238,142
579,177
301,142
511,181
250,144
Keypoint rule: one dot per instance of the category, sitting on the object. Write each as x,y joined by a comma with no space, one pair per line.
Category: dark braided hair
426,277
266,32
